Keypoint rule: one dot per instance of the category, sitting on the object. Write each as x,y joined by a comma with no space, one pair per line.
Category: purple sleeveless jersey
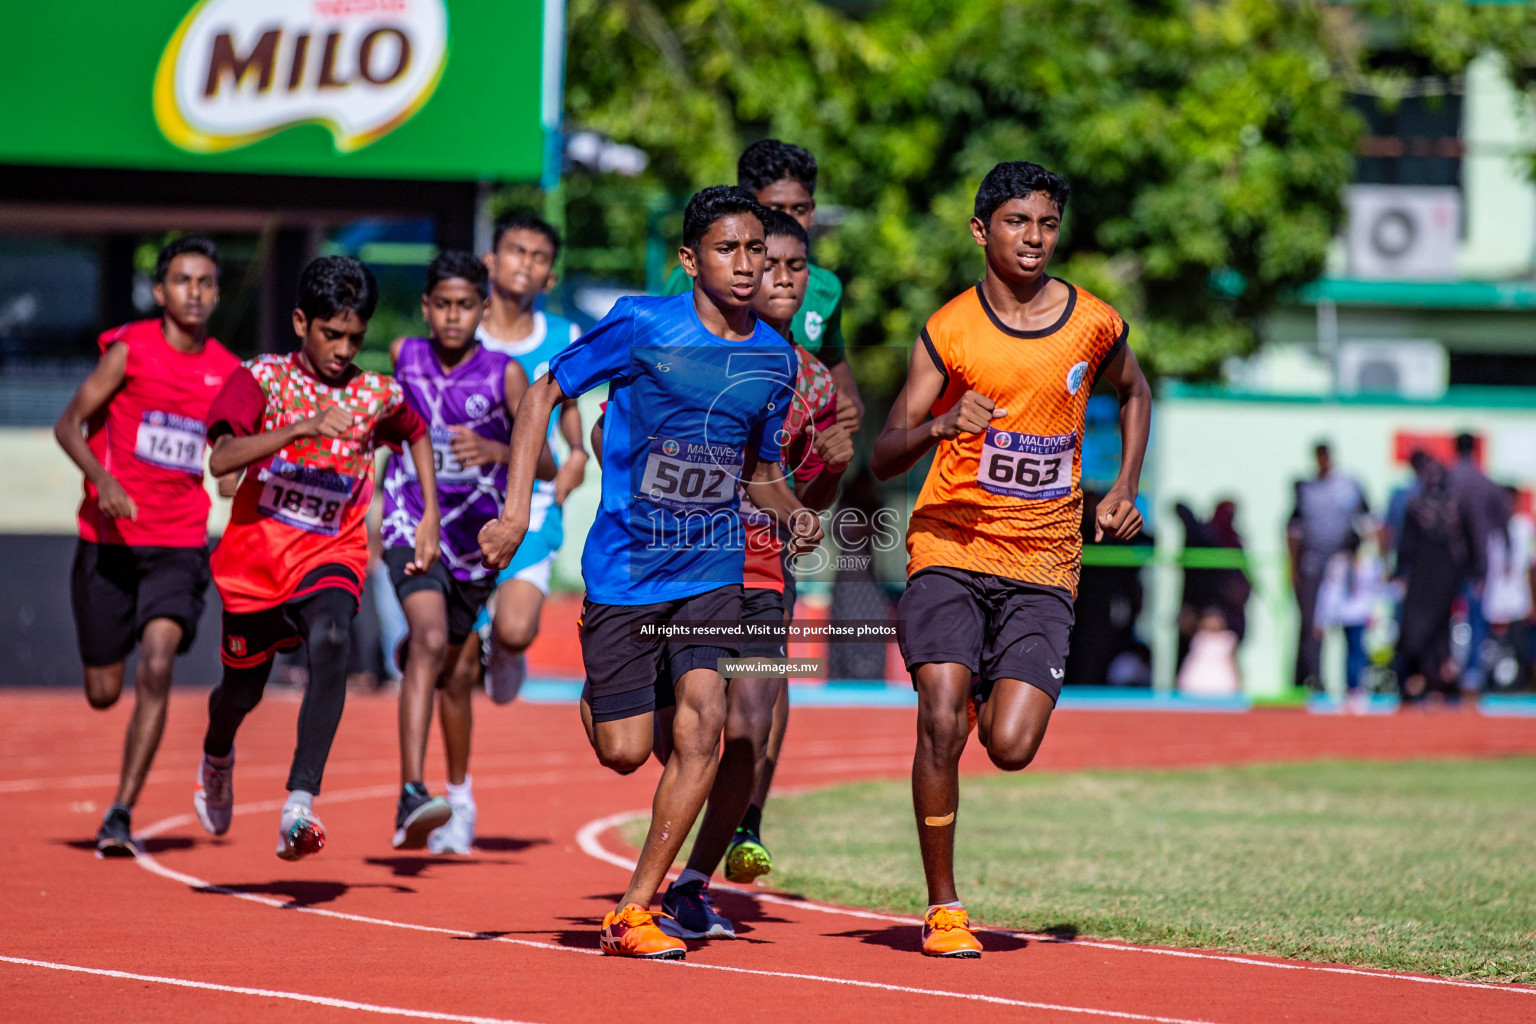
472,395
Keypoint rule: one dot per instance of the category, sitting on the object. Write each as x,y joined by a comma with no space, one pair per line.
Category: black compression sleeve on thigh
237,693
325,621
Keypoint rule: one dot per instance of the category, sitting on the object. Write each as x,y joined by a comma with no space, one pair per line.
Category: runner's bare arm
394,351
769,491
91,397
850,405
909,434
574,471
500,538
232,454
835,447
1116,514
429,529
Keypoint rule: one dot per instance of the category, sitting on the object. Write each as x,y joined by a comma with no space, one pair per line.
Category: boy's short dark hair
769,160
713,203
523,220
1019,179
778,224
192,243
335,284
458,263
1466,444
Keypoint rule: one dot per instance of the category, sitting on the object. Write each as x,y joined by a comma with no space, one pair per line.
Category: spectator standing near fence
1508,586
1482,504
1433,557
1352,583
1323,518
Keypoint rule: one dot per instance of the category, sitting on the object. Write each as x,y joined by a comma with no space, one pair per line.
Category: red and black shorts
251,638
997,627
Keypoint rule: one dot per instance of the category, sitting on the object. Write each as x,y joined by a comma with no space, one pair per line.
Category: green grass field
1426,866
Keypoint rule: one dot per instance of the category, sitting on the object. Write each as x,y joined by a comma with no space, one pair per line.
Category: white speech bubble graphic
239,71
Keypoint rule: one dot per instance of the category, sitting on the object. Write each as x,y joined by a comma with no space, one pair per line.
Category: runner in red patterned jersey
135,429
303,428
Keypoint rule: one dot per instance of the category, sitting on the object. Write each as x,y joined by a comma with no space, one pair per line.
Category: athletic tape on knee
948,819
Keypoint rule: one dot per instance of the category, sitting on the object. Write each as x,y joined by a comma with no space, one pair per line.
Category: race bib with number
1028,466
311,500
444,463
171,442
682,475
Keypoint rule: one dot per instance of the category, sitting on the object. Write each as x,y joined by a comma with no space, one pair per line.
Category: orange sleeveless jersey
1007,502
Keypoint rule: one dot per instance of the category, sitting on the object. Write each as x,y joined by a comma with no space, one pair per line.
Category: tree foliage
1208,140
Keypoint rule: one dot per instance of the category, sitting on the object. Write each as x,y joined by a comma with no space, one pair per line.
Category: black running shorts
116,590
997,627
465,598
765,607
629,674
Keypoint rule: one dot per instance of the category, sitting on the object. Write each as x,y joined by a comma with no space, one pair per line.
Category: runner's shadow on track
908,938
743,910
299,893
506,844
415,867
158,844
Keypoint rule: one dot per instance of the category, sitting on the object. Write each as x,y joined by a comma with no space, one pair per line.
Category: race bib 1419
171,442
1028,466
683,475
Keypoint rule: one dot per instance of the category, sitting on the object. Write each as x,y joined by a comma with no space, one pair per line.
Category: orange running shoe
947,932
633,932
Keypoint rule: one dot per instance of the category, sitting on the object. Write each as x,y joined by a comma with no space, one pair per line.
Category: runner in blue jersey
468,396
698,393
522,268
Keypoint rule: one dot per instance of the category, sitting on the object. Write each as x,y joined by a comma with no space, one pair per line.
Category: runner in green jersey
783,177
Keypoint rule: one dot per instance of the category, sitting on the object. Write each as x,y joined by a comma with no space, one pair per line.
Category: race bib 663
1028,466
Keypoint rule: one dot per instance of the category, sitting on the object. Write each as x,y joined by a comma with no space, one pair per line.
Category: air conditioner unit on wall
1412,369
1403,231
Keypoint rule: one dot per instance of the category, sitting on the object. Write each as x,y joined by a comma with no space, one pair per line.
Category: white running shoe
458,836
214,799
300,833
505,674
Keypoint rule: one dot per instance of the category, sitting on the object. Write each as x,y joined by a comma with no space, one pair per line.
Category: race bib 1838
312,500
1028,466
683,475
171,442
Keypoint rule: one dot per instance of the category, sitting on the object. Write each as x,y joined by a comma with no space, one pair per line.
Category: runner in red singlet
303,428
135,429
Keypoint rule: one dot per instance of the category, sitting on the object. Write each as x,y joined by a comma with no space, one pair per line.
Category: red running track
204,929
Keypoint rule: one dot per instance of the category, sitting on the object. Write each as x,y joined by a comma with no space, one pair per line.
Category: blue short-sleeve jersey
688,414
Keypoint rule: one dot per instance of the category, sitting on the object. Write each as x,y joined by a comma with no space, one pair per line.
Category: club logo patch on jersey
1075,377
477,405
813,325
238,71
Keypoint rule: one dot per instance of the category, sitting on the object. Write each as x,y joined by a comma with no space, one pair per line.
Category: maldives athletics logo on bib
238,71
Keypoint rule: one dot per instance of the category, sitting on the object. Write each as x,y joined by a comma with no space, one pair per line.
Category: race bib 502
171,442
1028,466
683,475
312,500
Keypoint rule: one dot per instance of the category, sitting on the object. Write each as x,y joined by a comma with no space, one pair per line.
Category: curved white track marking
266,993
149,863
589,838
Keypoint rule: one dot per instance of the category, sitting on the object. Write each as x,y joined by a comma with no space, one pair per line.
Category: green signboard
432,89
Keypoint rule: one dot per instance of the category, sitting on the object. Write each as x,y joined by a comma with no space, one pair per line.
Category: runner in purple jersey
468,396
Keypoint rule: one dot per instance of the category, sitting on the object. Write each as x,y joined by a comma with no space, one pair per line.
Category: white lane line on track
589,838
149,863
267,993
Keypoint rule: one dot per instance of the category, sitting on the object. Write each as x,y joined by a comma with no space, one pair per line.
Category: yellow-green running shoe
746,859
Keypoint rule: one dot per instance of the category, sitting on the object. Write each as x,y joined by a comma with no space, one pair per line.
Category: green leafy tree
1208,140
